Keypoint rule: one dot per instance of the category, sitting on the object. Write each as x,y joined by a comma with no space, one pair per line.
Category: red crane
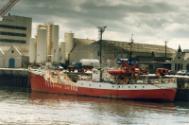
4,10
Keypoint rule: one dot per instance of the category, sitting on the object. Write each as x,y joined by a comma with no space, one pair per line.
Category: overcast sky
151,21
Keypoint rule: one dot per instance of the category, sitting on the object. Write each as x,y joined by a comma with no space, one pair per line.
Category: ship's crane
4,10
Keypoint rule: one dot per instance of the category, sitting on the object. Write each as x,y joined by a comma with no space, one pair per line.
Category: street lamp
166,49
131,47
101,30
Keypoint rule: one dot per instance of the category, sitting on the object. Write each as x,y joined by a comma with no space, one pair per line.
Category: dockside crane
4,10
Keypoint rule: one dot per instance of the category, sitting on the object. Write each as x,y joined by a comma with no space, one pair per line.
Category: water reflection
105,111
20,107
39,98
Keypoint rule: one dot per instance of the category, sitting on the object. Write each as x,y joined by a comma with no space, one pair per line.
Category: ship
125,82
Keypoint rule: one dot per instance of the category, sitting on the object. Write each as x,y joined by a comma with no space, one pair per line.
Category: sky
151,21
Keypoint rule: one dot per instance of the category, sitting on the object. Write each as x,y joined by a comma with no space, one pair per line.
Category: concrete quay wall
14,78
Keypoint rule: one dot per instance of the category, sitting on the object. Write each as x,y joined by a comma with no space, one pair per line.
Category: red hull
38,83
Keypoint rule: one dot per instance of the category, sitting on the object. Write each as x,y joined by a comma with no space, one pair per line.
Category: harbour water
18,107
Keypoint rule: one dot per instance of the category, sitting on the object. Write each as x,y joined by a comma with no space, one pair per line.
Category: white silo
52,42
69,43
54,38
1,58
62,52
41,45
32,50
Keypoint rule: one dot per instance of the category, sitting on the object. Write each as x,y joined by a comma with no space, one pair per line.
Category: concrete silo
41,45
1,58
62,52
52,42
32,51
69,44
55,38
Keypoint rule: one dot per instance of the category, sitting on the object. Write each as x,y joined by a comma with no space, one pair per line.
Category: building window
13,27
13,34
12,41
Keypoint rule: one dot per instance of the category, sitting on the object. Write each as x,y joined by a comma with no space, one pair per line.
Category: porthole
99,85
135,86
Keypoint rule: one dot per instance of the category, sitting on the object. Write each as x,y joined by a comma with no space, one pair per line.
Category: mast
101,30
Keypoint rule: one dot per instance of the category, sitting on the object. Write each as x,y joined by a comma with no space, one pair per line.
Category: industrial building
15,30
147,55
15,35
